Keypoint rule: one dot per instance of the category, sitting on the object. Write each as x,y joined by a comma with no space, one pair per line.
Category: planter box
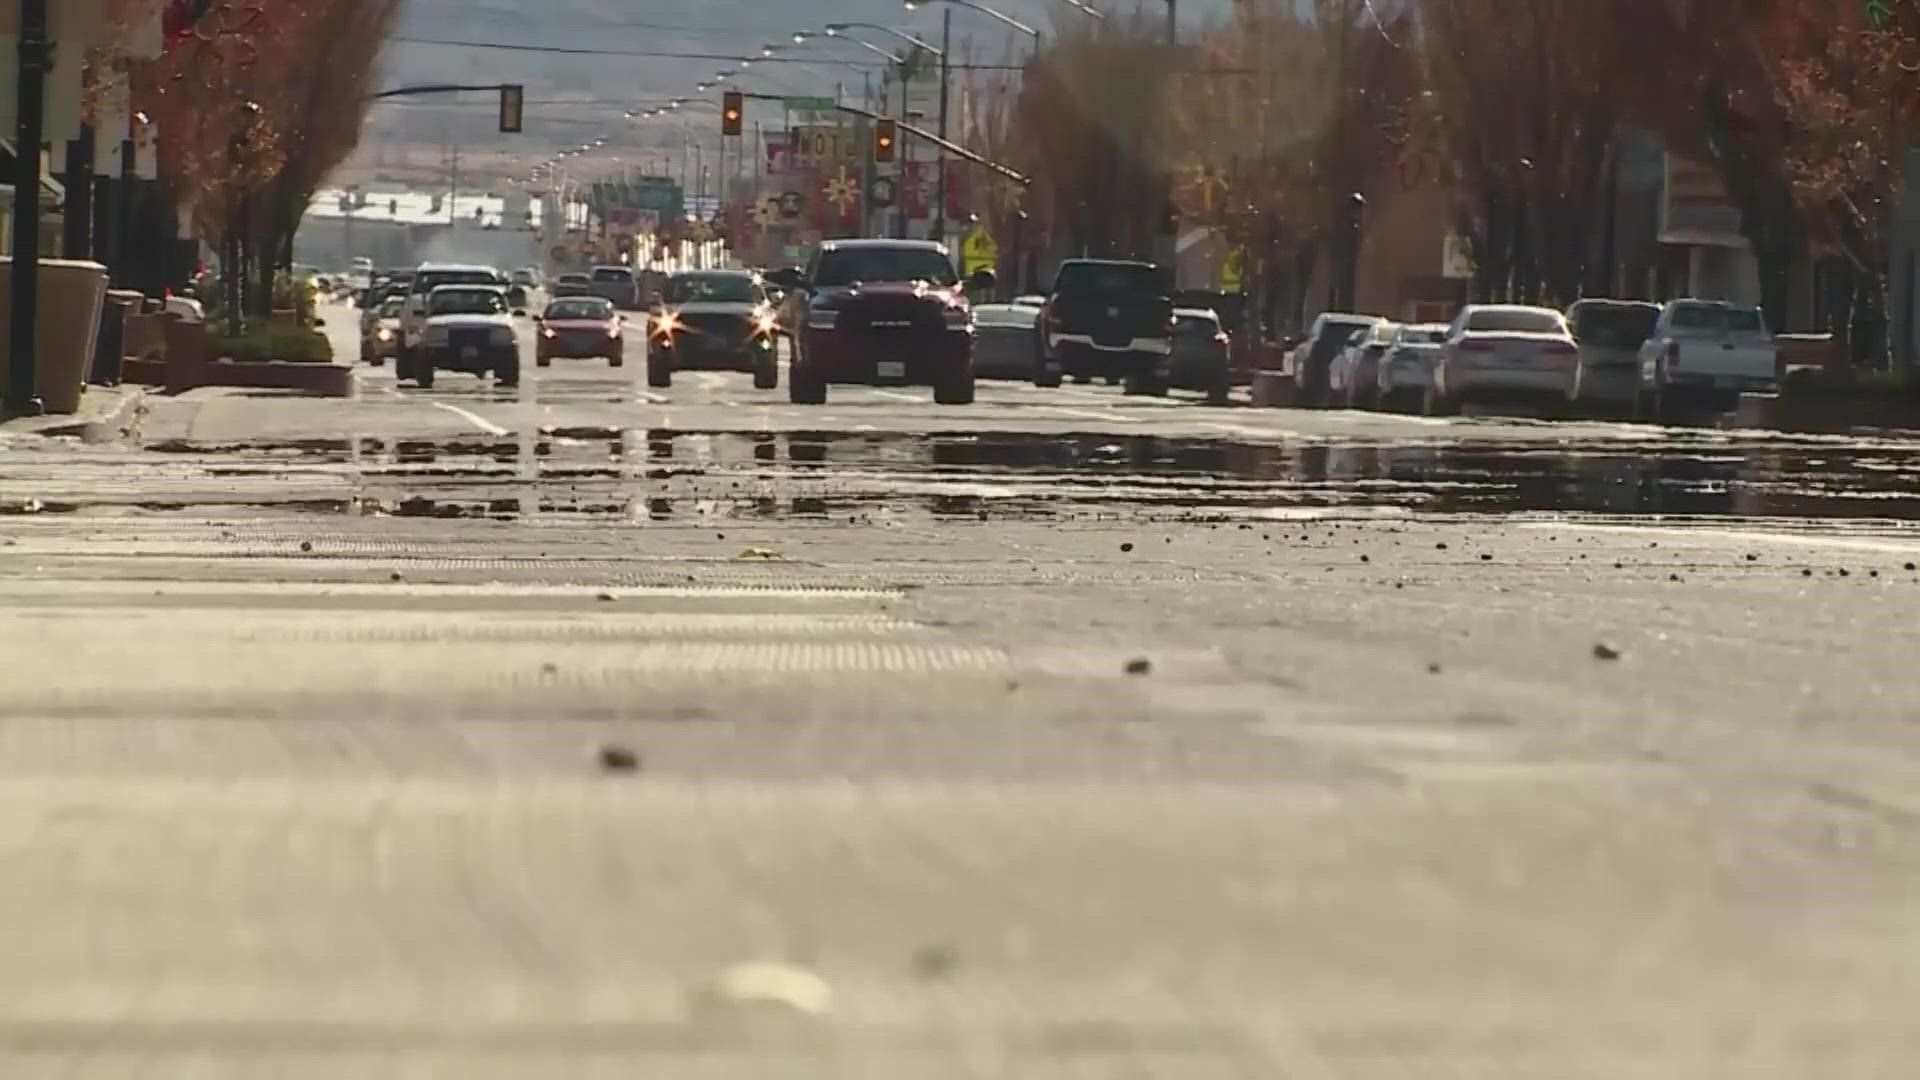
1274,390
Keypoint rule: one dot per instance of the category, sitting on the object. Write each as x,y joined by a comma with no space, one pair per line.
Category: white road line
1088,414
895,395
651,398
480,422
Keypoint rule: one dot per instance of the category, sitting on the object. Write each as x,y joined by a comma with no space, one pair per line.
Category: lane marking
895,395
1088,414
480,422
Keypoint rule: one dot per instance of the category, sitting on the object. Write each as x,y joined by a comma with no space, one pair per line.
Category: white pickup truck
1703,354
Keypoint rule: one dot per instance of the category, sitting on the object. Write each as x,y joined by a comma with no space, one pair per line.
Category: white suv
430,276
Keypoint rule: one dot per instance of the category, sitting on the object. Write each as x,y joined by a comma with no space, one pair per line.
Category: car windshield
1707,317
1623,326
1005,315
579,309
612,273
467,302
1515,321
1344,329
391,307
1745,321
574,279
1423,335
1107,278
429,280
720,288
1192,326
852,265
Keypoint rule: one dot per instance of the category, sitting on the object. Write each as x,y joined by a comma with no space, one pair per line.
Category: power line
725,57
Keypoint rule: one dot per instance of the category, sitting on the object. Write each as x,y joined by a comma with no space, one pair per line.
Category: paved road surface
301,750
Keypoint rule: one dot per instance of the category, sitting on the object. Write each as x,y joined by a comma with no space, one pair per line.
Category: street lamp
1001,16
837,29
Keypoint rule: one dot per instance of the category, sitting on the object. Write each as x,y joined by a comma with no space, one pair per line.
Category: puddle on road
666,475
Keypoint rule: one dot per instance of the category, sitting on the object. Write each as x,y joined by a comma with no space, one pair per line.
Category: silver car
1407,367
1502,353
1609,334
1006,341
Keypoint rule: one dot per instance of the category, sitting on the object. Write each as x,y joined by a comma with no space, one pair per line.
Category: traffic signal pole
946,78
30,132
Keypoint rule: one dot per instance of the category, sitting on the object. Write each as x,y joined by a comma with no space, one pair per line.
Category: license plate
890,369
469,352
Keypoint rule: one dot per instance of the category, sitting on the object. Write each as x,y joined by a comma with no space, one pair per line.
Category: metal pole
28,135
1173,22
79,205
946,77
900,152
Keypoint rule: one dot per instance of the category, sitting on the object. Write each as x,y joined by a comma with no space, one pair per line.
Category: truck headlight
822,319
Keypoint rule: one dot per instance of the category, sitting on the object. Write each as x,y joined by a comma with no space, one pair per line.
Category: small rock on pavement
306,545
1126,548
1433,669
1604,651
605,597
396,576
1139,665
618,759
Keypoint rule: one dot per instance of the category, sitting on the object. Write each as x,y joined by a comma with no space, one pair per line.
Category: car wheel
378,361
543,361
805,388
766,371
423,374
507,374
1046,375
1220,389
659,369
616,359
956,390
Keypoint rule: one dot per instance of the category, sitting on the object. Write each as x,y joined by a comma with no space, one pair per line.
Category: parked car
617,284
1353,379
714,320
1702,354
1006,341
380,339
1501,353
1609,334
580,326
1407,366
881,313
431,276
1200,359
573,284
466,327
1032,300
1108,318
1310,360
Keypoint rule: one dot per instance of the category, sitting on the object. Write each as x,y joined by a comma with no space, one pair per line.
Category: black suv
1108,318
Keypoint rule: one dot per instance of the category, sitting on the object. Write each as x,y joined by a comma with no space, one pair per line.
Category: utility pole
29,133
900,204
946,77
79,205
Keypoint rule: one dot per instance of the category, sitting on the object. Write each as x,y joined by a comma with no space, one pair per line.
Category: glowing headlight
503,335
613,330
664,324
822,319
385,333
765,323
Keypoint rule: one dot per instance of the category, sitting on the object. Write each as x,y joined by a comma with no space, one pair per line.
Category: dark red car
880,313
581,326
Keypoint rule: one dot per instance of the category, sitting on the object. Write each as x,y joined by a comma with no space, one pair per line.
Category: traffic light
884,141
513,100
733,108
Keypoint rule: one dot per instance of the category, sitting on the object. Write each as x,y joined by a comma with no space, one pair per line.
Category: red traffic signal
733,108
885,141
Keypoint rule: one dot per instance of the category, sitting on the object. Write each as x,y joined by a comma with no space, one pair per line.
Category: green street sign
808,104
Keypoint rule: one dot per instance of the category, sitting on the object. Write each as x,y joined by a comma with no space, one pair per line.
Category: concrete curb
116,410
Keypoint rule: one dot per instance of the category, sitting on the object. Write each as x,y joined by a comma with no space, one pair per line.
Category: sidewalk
105,411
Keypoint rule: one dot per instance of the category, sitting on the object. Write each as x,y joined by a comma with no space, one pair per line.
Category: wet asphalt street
583,729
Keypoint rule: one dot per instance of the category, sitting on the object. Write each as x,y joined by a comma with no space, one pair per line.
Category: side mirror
981,280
